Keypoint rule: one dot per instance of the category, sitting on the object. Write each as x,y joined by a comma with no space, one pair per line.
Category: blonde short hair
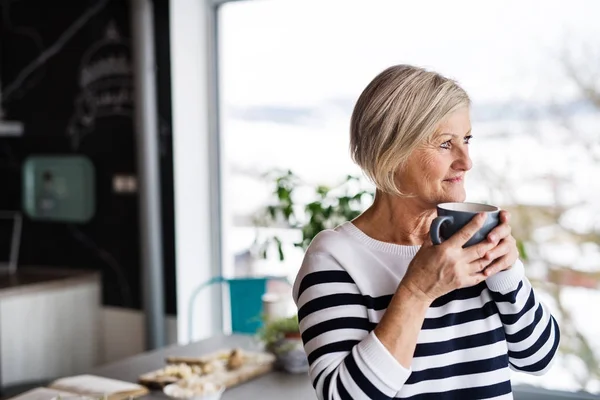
398,111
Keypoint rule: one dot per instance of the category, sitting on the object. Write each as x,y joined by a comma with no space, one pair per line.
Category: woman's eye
448,144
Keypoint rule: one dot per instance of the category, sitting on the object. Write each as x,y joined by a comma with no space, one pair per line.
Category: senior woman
383,312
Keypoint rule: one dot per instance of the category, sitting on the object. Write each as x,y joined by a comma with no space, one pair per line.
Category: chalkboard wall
65,69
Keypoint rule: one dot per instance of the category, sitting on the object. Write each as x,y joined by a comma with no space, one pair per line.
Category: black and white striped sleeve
532,334
347,360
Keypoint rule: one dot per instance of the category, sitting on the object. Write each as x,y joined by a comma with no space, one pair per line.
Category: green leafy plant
325,208
273,331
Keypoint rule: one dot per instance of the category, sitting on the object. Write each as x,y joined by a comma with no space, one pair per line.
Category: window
292,70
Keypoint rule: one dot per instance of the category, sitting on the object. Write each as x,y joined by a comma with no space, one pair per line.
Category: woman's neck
398,220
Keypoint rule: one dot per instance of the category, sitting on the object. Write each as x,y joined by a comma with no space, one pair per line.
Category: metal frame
215,152
196,160
146,129
15,243
520,391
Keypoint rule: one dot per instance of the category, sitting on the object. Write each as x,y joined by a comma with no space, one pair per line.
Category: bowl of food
194,389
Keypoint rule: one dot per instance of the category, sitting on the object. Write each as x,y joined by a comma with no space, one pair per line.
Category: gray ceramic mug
452,217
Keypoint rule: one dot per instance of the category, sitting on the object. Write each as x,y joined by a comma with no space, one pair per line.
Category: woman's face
435,172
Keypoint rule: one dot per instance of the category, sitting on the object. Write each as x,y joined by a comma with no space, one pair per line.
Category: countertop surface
41,277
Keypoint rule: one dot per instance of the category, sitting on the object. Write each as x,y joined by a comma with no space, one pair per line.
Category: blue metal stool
245,299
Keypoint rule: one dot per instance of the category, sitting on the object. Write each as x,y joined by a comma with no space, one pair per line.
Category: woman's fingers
500,232
495,260
477,266
466,232
474,279
479,251
502,249
498,265
503,230
504,216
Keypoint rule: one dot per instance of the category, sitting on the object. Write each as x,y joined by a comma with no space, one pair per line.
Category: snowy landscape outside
292,70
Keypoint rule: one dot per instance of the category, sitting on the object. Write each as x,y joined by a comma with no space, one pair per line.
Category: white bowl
175,391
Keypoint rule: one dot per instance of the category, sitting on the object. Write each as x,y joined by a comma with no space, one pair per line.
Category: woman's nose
463,160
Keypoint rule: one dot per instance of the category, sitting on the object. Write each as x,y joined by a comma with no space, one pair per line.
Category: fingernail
492,238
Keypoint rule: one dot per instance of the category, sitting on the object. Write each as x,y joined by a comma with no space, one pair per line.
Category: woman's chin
458,197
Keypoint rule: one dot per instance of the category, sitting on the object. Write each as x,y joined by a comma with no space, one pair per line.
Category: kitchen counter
49,323
31,279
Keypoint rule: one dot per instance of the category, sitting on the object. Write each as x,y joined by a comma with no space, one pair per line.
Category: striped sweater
469,339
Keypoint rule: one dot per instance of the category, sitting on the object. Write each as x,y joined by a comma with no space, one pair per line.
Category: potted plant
281,336
323,207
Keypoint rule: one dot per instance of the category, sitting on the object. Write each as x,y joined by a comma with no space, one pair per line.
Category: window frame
520,391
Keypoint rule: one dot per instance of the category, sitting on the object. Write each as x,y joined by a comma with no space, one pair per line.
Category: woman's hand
440,269
506,252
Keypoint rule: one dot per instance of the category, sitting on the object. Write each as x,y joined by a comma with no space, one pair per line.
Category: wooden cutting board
214,367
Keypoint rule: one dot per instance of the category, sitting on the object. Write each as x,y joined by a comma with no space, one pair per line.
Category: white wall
196,170
197,228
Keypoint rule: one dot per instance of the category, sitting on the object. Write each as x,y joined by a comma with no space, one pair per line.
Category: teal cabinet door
59,188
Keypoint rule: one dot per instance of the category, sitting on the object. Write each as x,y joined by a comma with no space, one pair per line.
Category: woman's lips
456,179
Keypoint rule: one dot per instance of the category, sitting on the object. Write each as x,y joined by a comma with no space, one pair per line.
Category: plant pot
290,354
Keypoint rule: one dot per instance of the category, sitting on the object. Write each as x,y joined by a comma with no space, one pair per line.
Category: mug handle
434,232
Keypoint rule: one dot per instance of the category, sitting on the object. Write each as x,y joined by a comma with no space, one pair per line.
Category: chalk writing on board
105,85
